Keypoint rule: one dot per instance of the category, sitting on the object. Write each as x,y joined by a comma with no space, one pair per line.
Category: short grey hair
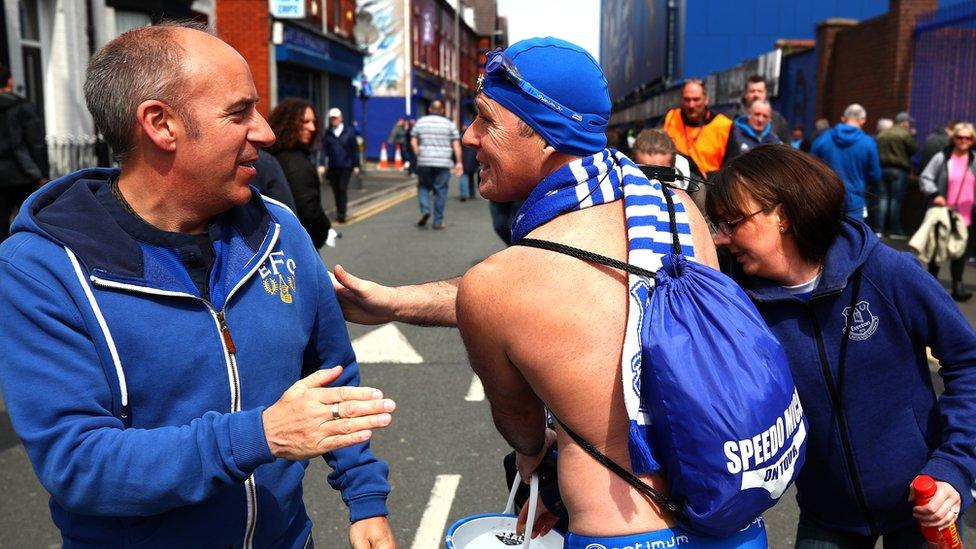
855,111
760,102
142,64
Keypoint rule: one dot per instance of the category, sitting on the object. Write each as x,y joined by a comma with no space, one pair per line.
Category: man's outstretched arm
427,304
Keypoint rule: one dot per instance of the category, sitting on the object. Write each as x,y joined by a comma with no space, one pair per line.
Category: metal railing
68,153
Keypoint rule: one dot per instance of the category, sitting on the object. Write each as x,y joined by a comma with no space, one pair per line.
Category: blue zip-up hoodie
853,154
892,428
743,138
139,403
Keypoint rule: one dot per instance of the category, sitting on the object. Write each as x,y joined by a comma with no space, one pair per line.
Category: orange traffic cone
384,161
397,159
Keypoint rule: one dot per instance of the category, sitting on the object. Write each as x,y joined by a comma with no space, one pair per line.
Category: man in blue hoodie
853,154
751,130
180,352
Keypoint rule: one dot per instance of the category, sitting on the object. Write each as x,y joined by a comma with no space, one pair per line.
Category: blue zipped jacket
883,426
853,154
139,402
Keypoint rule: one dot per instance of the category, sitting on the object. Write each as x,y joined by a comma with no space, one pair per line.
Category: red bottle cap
924,487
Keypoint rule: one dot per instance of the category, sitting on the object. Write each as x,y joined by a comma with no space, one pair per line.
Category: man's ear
159,123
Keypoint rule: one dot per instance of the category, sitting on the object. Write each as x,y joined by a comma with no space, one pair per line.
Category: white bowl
495,531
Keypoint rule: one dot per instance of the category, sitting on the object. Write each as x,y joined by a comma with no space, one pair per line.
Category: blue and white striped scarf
600,179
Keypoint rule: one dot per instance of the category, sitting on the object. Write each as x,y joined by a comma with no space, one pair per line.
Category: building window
30,50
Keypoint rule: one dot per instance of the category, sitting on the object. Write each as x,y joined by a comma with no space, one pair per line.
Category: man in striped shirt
437,147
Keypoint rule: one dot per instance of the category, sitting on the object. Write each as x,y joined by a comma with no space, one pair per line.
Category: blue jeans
886,196
433,180
814,536
469,185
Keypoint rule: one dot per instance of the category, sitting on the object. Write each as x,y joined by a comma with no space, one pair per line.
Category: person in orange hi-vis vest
696,131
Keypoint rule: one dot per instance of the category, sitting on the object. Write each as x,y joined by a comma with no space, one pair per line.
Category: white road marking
385,345
476,392
430,533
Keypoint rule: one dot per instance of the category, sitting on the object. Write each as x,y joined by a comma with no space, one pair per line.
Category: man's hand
458,168
371,533
544,520
939,200
362,301
527,465
942,510
303,423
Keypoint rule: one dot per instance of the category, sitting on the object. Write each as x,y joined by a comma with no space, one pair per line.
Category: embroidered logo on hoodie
864,323
278,276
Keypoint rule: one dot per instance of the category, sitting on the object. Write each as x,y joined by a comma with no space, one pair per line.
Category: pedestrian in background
437,145
654,147
409,158
342,155
23,152
883,125
757,90
750,130
294,123
934,143
853,155
697,131
798,140
855,318
949,180
469,179
896,147
271,181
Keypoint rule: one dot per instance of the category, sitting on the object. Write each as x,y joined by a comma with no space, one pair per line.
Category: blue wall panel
382,114
798,89
720,34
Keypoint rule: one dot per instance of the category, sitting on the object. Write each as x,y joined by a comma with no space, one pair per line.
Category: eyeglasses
499,63
728,227
963,137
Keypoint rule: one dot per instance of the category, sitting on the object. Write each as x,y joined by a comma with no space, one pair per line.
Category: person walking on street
469,179
437,146
855,318
294,123
696,131
853,154
949,180
896,147
23,152
179,354
934,143
342,155
751,130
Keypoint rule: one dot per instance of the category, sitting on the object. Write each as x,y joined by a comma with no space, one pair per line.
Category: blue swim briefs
751,537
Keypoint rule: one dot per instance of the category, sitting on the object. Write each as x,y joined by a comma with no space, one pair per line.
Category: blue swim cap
573,108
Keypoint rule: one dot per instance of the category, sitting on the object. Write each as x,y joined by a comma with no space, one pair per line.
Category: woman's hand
940,511
939,200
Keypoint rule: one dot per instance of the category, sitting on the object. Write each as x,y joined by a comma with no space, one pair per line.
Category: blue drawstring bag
727,421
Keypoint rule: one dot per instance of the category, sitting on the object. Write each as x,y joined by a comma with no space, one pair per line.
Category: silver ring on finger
335,411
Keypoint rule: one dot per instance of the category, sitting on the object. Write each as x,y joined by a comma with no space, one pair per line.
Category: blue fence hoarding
633,44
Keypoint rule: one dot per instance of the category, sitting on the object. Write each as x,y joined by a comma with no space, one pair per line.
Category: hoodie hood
8,100
742,122
850,250
74,212
845,135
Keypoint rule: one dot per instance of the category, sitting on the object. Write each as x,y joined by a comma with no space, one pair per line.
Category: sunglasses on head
499,64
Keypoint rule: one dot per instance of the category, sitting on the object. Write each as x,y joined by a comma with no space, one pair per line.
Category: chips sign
287,9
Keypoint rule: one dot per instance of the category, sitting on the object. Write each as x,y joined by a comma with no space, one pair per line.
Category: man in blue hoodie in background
180,351
853,154
750,130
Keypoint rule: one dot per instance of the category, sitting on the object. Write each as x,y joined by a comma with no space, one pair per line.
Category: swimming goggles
499,64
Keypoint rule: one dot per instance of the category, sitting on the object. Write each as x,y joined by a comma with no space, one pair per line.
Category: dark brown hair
286,121
808,191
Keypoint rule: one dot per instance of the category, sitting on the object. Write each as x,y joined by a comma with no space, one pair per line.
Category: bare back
560,322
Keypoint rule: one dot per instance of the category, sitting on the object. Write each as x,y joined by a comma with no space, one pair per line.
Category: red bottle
946,538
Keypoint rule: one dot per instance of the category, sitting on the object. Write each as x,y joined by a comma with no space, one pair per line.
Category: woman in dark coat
295,125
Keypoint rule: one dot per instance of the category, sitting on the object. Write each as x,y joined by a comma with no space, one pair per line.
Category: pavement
372,189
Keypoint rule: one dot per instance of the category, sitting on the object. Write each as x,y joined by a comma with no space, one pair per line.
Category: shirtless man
544,329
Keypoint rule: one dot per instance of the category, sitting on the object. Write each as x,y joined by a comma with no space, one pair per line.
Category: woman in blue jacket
855,318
